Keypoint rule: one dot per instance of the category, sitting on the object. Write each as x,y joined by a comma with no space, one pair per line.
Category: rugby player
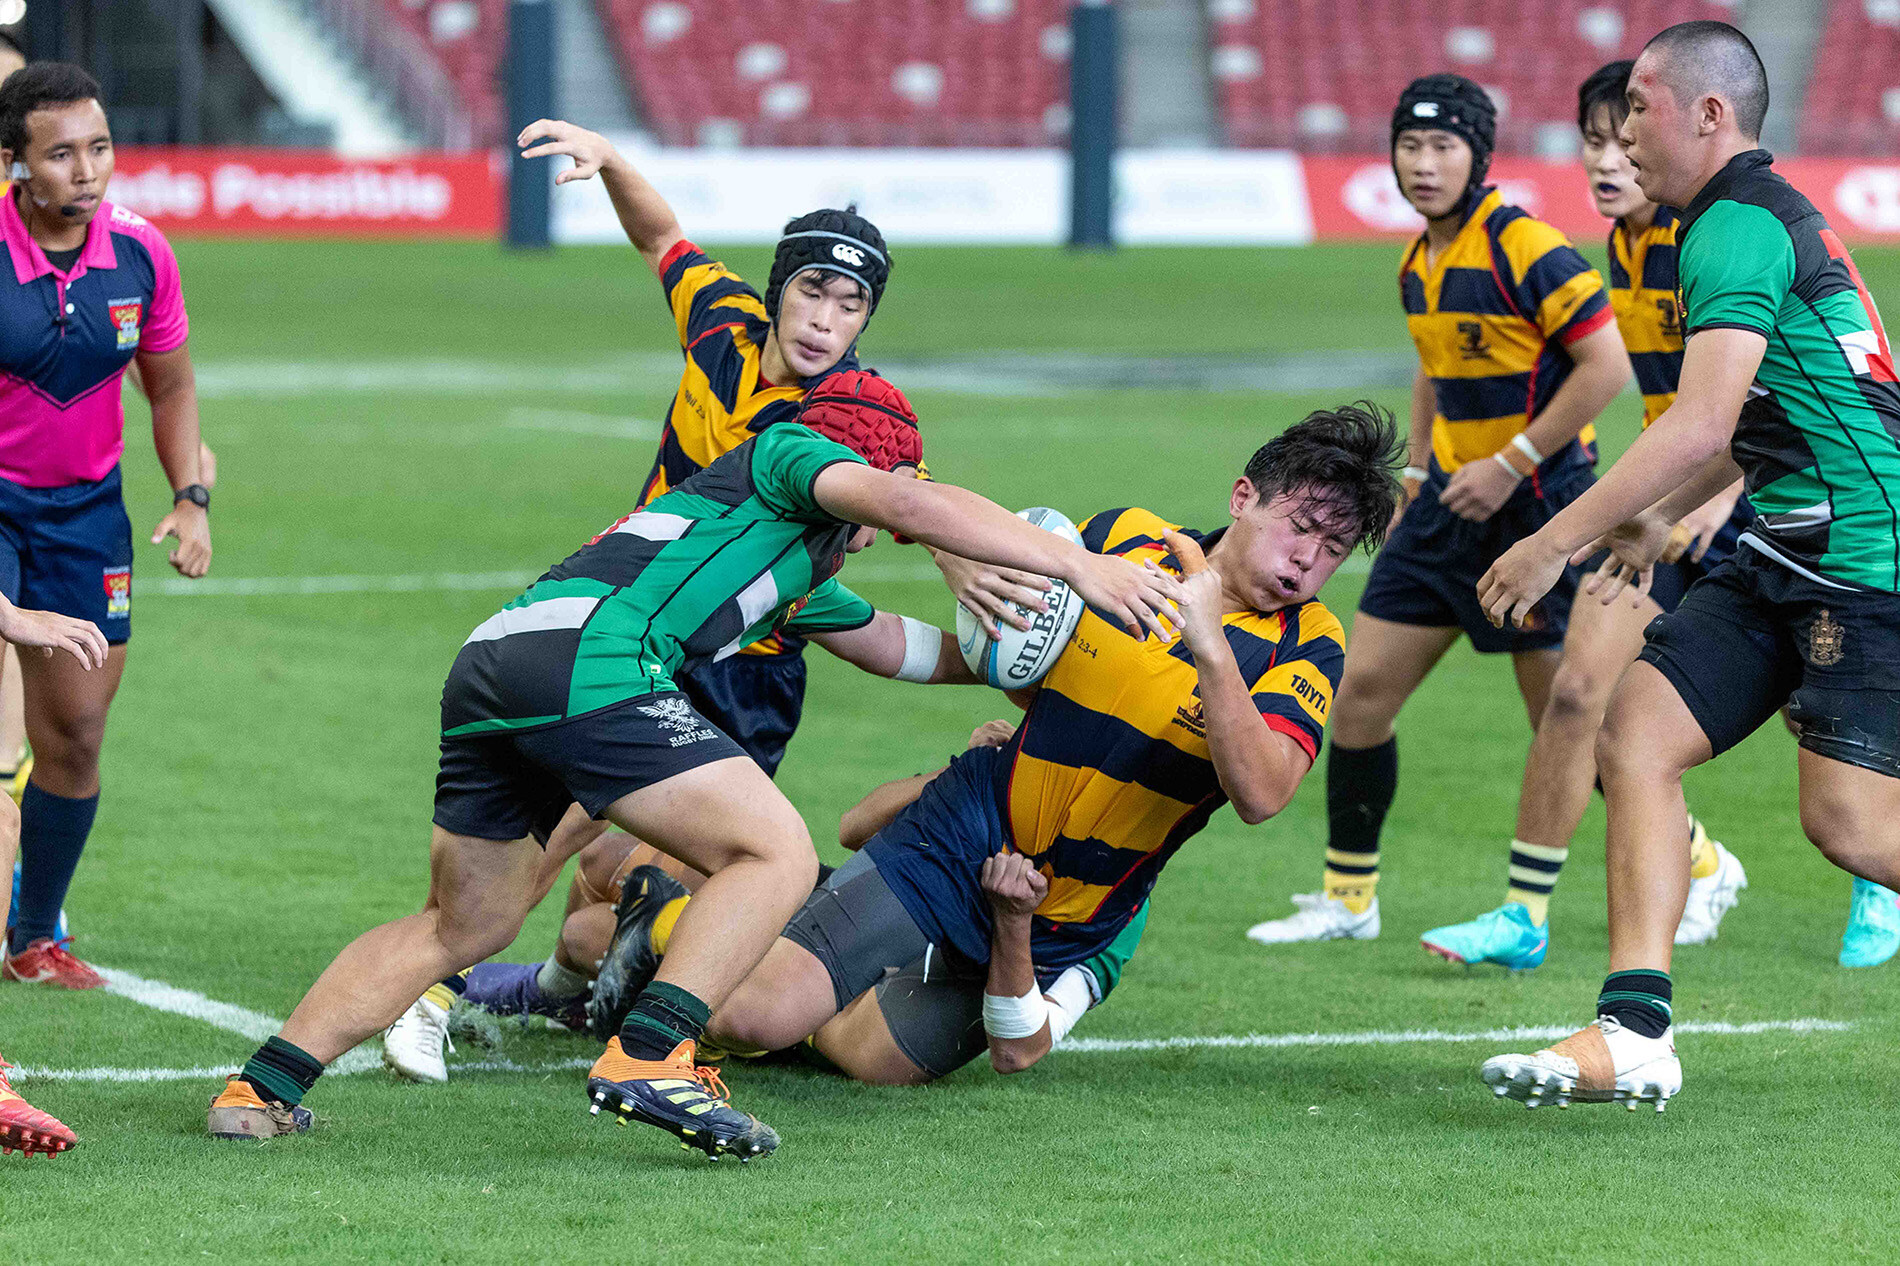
1127,749
92,290
1518,354
24,1128
1788,380
569,695
1604,637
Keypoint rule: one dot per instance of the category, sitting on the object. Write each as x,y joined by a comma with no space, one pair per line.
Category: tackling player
569,695
1604,637
1127,749
1517,356
1787,380
93,289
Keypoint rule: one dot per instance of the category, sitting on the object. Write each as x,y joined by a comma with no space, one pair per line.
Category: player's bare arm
644,215
1717,367
1418,444
1657,535
973,526
1012,1002
1477,489
52,632
172,387
898,646
1259,767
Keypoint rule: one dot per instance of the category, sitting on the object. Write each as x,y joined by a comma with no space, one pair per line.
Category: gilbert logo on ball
1021,657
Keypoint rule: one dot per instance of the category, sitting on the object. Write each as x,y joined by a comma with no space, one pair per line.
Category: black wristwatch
197,494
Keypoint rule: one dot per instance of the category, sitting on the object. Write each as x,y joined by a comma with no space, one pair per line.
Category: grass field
444,412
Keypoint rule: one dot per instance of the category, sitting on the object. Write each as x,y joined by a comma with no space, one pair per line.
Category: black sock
53,832
1638,1000
1360,784
281,1072
662,1017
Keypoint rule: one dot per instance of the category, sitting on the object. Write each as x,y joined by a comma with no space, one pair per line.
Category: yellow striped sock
441,995
1356,884
663,923
1534,870
1702,859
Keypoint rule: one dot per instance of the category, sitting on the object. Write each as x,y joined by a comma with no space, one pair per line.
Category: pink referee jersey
66,338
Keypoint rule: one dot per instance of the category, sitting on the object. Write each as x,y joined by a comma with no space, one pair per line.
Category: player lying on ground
1517,357
1787,379
1604,636
23,1127
632,928
568,696
1127,749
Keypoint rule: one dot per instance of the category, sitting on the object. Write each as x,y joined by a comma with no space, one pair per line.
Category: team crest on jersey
1670,310
1471,344
118,581
1192,719
676,716
1825,636
126,315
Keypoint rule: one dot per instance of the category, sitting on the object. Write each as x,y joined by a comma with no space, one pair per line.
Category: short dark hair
35,87
1713,57
1345,459
1609,86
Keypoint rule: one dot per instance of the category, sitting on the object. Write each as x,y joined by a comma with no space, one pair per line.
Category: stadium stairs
285,43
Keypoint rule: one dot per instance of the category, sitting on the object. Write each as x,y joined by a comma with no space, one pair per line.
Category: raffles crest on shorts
118,581
126,315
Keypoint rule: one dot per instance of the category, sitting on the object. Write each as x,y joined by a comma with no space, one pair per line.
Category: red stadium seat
1853,104
1322,75
468,38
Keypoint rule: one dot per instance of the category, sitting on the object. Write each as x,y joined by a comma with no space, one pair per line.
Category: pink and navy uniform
66,337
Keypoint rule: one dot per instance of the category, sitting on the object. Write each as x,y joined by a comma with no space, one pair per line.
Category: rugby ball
1021,657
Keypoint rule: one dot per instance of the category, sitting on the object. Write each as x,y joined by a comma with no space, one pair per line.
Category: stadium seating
1321,75
1853,104
846,72
467,38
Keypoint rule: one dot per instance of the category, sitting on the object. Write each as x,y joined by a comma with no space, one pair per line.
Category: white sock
558,983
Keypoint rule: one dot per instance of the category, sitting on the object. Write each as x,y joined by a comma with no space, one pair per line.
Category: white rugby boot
1711,897
415,1045
1601,1063
1320,918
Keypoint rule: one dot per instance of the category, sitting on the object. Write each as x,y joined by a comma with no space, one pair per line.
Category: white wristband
1522,443
1415,472
1070,997
923,647
1015,1017
1505,462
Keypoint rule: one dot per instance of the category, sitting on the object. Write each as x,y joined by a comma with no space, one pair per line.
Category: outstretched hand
52,632
589,150
993,594
1137,598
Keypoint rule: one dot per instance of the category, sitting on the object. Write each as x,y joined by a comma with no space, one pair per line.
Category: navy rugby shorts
69,549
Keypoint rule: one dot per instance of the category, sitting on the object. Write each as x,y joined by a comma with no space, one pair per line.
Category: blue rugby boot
1873,926
684,1100
1505,936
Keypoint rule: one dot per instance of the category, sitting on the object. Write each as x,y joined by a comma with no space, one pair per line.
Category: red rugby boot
24,1128
49,962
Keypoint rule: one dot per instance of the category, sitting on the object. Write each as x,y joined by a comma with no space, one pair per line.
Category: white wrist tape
1415,472
1015,1017
1069,999
923,646
1505,462
1522,443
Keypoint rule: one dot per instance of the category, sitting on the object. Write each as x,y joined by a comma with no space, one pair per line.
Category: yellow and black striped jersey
1109,771
1648,312
1491,317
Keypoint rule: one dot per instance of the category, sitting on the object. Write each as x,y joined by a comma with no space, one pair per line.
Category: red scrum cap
867,415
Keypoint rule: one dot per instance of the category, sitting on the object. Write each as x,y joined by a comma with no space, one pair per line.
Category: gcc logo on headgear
848,254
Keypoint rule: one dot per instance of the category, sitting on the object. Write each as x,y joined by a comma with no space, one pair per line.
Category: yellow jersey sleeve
703,295
1553,285
1295,693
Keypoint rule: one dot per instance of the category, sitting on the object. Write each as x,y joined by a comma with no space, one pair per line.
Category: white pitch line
1409,1037
572,422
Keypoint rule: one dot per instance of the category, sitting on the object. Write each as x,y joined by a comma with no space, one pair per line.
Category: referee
92,290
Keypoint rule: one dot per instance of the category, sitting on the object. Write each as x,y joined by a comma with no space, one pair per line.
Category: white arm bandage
1015,1017
1522,443
923,645
1069,998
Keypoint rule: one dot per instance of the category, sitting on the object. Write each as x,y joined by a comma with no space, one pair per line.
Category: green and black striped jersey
1819,437
737,551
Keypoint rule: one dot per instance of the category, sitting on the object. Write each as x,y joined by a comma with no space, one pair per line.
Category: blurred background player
1128,748
1518,355
92,290
24,1128
1604,637
1788,379
567,695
